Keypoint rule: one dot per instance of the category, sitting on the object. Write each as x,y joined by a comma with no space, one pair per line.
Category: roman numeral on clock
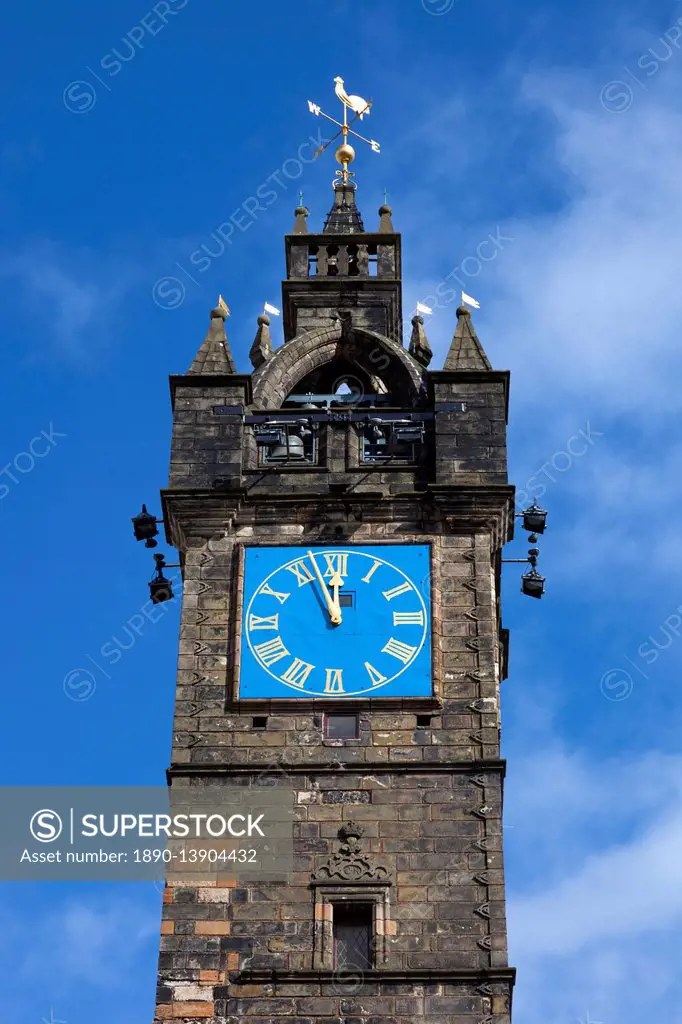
267,589
334,681
404,588
408,618
367,578
297,673
337,565
301,572
403,652
263,622
375,675
271,651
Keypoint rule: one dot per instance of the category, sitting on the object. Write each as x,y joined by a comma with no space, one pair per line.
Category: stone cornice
350,768
201,513
455,976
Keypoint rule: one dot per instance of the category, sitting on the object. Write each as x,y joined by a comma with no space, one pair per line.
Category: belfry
339,514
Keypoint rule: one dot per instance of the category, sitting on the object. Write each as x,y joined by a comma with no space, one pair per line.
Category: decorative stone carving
351,863
483,704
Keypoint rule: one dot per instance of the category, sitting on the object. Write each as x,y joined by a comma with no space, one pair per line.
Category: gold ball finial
345,154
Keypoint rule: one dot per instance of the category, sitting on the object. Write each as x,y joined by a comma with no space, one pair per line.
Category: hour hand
332,607
335,582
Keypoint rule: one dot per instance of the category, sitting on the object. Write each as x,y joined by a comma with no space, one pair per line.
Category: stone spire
466,351
344,217
419,343
214,356
261,350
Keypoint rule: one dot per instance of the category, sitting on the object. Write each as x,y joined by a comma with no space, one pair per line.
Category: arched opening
339,382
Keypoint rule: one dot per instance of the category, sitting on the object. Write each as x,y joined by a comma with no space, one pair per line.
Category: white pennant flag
426,310
470,302
267,308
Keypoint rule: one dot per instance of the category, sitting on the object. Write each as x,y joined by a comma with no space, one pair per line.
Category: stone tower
340,514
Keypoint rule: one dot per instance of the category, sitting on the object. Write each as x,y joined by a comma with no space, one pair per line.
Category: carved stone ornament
351,863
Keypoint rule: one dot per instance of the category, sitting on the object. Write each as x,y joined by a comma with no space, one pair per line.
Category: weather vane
345,154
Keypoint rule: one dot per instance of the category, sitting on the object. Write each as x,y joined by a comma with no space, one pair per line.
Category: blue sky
553,128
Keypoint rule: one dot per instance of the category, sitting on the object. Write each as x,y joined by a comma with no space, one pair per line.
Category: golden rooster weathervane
345,154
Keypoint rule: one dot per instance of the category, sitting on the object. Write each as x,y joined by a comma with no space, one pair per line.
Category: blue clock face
336,622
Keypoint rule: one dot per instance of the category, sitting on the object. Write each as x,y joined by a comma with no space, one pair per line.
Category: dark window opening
312,261
260,722
423,721
347,600
393,441
341,727
332,260
284,442
353,936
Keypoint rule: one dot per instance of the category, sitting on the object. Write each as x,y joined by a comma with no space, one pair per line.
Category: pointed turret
386,224
344,217
466,351
419,343
301,223
214,356
261,350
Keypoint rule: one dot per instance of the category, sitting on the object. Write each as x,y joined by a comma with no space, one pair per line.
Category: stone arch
375,354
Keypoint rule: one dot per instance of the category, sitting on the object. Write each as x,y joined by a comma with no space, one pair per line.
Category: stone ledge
384,767
485,976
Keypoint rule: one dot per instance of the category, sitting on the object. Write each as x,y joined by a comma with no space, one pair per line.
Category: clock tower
340,513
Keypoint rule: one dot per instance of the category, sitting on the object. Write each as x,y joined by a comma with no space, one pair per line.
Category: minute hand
334,612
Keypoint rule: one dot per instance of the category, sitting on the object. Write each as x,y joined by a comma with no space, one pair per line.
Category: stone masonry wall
428,796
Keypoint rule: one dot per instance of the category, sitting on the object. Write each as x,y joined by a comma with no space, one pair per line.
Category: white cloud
605,898
585,302
65,300
584,307
597,927
94,941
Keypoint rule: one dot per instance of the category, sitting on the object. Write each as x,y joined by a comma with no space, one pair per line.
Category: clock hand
335,582
332,608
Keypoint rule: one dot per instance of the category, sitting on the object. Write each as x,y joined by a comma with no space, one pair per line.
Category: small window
352,925
423,721
341,727
260,722
347,600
